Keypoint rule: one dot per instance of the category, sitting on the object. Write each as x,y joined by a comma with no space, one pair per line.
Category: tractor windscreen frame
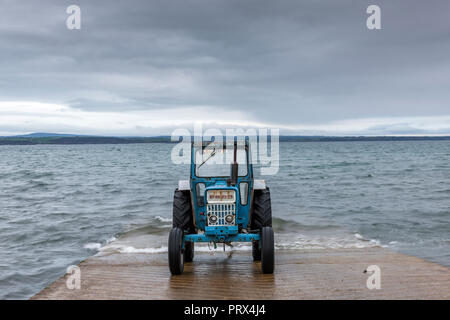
220,160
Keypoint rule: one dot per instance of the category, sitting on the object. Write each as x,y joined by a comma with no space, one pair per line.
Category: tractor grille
221,211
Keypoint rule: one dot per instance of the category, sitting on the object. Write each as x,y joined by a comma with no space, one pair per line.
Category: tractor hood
220,185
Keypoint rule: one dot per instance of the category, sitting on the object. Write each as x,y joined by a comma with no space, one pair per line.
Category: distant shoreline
73,140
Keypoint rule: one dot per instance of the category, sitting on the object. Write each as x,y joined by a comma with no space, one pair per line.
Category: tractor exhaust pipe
234,166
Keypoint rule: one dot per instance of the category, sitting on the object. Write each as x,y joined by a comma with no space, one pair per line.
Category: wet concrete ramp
309,274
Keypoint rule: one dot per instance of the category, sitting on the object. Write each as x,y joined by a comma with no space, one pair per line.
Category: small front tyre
267,250
176,254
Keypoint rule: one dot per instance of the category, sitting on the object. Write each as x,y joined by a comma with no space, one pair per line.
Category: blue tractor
220,204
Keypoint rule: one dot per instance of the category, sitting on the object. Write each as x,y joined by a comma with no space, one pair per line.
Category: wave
93,246
132,244
97,245
287,225
289,235
161,225
163,219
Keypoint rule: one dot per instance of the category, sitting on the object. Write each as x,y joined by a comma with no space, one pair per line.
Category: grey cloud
283,62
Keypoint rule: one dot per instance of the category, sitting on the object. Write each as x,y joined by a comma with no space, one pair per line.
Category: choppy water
61,204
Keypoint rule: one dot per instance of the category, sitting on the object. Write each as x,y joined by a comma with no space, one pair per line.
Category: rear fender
259,184
184,185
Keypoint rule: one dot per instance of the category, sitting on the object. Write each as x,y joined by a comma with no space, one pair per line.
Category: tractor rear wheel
188,251
262,209
267,250
256,251
175,248
182,211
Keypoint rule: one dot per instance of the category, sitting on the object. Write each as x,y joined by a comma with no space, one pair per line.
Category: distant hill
34,139
55,138
359,138
45,135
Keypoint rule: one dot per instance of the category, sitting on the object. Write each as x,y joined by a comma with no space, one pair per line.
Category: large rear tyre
176,255
256,251
262,210
182,211
267,250
188,251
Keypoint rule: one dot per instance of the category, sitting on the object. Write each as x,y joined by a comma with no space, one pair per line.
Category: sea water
60,204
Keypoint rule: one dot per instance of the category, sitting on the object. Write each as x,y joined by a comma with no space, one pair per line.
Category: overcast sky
147,67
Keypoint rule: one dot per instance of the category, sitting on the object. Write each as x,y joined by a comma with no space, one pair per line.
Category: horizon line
53,134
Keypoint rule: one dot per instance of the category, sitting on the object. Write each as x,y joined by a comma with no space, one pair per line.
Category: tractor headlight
212,219
229,218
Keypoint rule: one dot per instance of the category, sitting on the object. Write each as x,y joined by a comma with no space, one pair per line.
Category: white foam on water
283,241
126,248
92,246
97,245
112,239
320,242
360,237
130,249
163,219
165,226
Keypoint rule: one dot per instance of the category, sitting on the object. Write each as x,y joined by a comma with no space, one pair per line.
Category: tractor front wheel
267,250
176,254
